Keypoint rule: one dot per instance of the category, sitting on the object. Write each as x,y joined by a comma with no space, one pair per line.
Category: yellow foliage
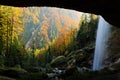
47,47
33,15
38,52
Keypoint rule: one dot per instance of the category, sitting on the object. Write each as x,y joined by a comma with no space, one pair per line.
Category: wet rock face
113,59
115,65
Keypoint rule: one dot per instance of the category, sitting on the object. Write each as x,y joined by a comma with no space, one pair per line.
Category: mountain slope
49,22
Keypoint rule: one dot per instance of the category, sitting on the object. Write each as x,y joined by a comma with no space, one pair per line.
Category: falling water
103,34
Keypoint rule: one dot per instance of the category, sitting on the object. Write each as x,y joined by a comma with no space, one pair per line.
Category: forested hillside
35,41
43,25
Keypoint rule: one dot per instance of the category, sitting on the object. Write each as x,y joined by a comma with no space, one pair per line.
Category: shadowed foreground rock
6,78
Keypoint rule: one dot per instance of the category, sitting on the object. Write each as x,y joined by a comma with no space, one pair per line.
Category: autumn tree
11,23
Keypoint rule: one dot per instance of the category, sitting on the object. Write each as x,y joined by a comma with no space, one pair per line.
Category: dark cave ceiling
109,9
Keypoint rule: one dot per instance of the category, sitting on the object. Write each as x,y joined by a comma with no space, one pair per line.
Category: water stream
103,33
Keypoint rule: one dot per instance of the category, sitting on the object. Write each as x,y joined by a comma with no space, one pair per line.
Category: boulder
58,61
81,57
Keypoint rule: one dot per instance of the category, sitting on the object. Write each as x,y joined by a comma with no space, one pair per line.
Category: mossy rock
58,61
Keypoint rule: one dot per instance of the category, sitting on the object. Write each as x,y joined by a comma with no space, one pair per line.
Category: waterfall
103,33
